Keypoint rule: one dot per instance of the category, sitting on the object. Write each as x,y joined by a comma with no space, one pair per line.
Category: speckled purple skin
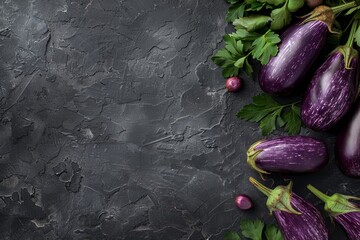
351,224
330,94
299,47
307,226
347,147
295,154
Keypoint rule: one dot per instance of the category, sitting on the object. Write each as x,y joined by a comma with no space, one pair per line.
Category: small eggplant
291,154
347,147
342,210
297,219
300,46
332,90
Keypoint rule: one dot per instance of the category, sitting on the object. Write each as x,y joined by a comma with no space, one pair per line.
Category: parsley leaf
292,119
242,34
231,235
265,46
235,11
252,229
232,1
251,23
273,233
294,5
274,2
270,114
230,57
280,17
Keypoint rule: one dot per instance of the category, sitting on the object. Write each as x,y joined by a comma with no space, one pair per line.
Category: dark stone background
115,124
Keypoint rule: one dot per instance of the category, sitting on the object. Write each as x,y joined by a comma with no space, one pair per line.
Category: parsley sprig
253,229
270,114
254,38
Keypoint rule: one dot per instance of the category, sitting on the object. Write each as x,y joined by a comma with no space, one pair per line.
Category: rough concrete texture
115,124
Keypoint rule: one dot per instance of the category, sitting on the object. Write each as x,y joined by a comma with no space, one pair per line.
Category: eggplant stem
343,7
318,193
265,190
351,38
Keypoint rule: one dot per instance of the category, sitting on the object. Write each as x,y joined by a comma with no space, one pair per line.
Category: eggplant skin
350,223
291,154
347,147
300,46
309,225
330,94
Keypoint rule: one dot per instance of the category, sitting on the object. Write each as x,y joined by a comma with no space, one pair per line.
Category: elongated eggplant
347,147
297,219
342,210
332,90
300,46
293,154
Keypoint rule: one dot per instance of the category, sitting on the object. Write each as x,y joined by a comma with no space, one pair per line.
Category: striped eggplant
293,154
297,219
332,90
343,210
300,46
347,147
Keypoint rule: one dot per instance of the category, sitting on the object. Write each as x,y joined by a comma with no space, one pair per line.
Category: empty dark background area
115,124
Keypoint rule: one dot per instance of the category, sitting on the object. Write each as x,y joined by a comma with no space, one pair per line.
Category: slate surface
115,124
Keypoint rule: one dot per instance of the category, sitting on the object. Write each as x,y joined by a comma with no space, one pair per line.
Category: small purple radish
233,84
243,202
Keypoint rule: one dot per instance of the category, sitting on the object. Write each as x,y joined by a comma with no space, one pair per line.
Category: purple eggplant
293,154
332,90
297,219
342,210
347,147
300,46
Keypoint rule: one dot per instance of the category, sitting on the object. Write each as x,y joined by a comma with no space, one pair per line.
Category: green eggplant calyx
349,54
324,14
251,157
336,204
279,198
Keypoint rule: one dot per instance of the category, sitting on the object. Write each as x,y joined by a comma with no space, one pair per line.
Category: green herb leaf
232,1
231,235
274,2
280,17
251,23
269,114
242,34
235,11
351,10
292,119
294,5
265,46
256,6
252,229
273,233
247,67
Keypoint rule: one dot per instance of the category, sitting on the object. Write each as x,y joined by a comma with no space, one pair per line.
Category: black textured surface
115,124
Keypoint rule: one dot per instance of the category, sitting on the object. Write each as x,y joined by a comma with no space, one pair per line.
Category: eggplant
342,210
297,218
290,154
332,90
347,147
300,46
